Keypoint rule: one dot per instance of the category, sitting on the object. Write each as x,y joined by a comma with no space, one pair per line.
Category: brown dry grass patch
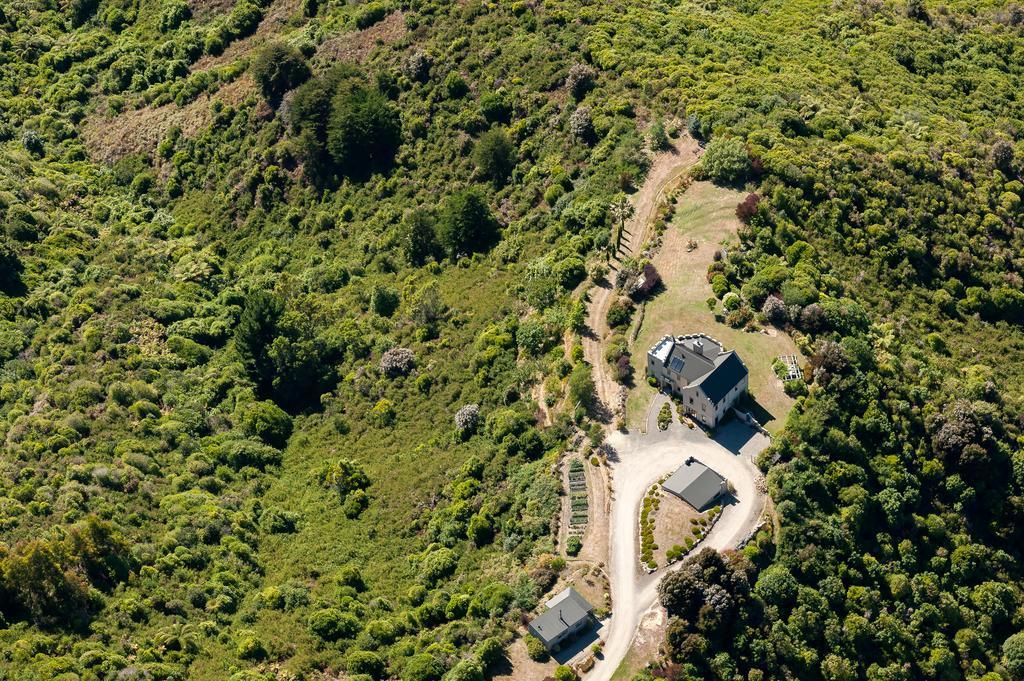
204,9
672,526
108,139
358,45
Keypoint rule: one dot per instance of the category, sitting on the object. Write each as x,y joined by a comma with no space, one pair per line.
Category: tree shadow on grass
502,667
610,453
600,412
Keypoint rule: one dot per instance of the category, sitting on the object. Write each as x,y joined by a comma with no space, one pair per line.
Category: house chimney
698,345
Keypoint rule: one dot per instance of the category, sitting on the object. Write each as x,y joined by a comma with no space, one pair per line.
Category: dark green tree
308,113
303,362
364,130
418,237
278,68
384,300
494,156
284,353
256,330
10,268
82,10
466,224
581,387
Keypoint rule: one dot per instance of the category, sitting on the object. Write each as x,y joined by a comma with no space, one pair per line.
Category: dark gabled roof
568,609
695,483
723,378
689,364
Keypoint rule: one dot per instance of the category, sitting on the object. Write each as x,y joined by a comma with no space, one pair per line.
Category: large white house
701,372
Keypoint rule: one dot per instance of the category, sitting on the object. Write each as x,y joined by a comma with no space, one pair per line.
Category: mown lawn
707,215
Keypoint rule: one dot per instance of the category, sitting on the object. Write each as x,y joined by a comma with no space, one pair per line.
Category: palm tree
621,210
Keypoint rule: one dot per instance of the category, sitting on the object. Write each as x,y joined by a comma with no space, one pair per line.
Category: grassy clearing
706,215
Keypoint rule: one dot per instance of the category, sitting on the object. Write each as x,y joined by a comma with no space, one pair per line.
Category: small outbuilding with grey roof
568,614
696,484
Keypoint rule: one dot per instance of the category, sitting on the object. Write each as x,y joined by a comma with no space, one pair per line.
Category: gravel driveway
641,460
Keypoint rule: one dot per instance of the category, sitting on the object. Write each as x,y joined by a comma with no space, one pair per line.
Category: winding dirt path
666,169
642,458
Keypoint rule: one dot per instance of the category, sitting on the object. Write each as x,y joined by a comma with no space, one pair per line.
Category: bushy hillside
234,359
257,257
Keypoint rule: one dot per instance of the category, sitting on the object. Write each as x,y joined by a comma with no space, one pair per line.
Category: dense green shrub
466,670
726,161
355,503
494,156
564,672
278,68
331,624
345,476
423,667
437,564
268,422
466,224
251,648
573,545
173,14
191,352
619,313
365,662
370,13
535,649
665,416
490,652
277,521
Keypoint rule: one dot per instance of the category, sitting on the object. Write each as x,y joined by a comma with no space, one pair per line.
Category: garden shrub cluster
665,416
648,511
